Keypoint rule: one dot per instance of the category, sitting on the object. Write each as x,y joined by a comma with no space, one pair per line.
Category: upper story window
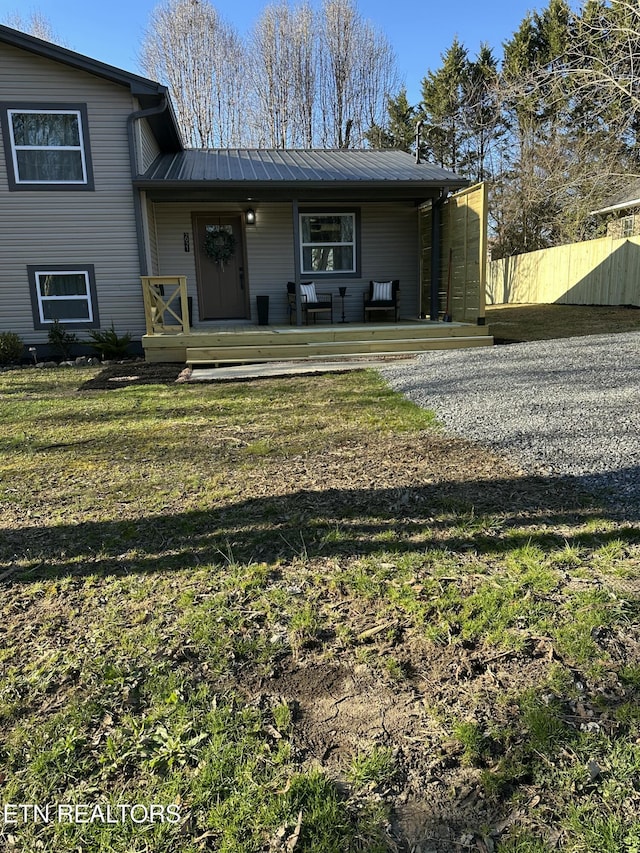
328,243
46,147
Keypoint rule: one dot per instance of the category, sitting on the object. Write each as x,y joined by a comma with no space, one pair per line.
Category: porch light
250,216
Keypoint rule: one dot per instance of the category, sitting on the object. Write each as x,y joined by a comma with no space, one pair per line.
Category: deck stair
254,344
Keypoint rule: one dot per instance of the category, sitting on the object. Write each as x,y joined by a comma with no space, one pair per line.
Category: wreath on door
219,244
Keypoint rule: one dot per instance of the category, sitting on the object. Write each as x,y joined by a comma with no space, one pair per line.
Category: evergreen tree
442,108
399,128
481,114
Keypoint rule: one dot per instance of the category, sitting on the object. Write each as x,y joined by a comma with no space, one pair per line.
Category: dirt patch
342,710
133,373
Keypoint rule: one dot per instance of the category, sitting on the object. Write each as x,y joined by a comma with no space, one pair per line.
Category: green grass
174,556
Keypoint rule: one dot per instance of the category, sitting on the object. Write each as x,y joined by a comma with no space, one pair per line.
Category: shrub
11,348
109,345
61,339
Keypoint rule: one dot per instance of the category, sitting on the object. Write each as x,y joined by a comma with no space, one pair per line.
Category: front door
220,267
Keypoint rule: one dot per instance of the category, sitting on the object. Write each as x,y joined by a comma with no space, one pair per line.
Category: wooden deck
246,343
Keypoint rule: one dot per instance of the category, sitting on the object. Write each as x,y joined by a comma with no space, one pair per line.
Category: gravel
562,408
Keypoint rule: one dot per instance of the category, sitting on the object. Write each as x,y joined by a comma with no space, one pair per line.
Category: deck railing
165,300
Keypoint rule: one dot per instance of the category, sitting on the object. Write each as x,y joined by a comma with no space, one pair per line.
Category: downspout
132,118
435,255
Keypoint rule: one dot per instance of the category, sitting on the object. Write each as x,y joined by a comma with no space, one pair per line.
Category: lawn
295,615
513,323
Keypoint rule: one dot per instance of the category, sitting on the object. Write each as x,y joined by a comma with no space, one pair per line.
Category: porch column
296,258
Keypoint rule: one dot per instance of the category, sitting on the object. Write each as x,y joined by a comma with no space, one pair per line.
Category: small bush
109,345
61,339
11,348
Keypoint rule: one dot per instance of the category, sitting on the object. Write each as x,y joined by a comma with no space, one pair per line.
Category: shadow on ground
491,515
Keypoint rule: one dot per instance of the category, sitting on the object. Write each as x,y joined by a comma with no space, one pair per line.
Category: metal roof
275,167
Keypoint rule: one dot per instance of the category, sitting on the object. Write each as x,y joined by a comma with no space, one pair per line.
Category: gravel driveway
567,407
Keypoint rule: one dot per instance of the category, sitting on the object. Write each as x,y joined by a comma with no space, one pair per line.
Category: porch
246,343
170,337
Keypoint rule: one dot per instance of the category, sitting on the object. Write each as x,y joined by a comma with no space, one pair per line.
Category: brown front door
220,267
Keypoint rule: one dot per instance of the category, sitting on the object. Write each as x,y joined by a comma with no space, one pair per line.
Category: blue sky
419,30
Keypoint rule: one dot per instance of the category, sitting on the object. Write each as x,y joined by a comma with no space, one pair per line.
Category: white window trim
42,299
351,243
628,223
15,148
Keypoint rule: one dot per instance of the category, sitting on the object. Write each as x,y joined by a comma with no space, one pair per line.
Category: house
622,211
104,210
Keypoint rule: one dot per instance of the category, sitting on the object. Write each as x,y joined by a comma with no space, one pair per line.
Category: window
64,294
627,226
46,147
328,243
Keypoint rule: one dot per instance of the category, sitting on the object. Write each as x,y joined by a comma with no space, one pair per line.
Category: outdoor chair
382,296
312,302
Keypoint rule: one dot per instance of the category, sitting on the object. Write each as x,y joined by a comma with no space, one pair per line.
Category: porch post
296,258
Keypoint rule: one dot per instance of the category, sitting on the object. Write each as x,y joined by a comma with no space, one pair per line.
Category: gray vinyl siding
50,227
149,148
389,249
152,237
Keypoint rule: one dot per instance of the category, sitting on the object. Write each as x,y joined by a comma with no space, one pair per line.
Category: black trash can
263,310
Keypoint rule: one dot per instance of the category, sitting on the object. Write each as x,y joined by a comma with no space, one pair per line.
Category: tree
36,24
568,134
399,129
442,107
603,66
316,79
481,115
538,174
356,75
201,58
284,52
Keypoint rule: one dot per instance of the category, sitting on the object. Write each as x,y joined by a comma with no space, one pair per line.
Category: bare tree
604,68
357,75
284,75
201,59
36,24
317,79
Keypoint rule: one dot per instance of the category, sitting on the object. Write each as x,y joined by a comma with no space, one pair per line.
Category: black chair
373,305
324,303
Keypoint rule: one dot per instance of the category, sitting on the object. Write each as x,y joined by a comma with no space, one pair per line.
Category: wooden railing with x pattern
165,300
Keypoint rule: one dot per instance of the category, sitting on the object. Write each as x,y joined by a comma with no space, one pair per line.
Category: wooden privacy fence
594,272
463,254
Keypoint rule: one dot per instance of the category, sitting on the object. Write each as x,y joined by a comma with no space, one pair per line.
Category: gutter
635,202
132,118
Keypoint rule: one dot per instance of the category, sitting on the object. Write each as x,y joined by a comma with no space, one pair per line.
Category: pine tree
398,130
481,114
442,108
